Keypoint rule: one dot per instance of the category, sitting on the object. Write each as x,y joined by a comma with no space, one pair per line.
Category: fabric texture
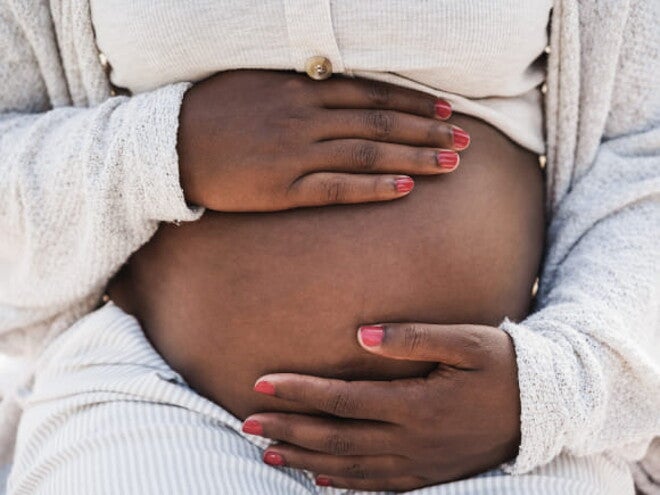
646,473
108,416
86,177
485,57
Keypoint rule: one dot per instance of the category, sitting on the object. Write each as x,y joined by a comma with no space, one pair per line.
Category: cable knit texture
86,177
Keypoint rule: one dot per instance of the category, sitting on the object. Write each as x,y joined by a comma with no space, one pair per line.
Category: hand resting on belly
235,296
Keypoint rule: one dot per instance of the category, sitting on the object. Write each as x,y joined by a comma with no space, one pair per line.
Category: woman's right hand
256,140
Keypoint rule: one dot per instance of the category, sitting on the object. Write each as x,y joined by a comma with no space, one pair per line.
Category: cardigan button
543,160
318,68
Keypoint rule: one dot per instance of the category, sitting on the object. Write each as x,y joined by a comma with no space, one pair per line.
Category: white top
85,178
484,56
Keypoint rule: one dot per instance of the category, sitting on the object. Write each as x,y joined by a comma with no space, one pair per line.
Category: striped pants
107,416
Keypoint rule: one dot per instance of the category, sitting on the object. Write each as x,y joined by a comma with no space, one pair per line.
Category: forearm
588,379
82,189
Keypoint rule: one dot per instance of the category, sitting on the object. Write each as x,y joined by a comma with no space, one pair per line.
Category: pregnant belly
234,296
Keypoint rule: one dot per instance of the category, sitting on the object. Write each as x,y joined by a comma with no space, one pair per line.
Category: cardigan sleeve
80,188
589,380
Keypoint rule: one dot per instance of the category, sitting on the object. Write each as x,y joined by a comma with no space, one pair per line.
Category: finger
329,436
360,467
379,401
400,484
390,126
362,93
363,156
461,346
325,188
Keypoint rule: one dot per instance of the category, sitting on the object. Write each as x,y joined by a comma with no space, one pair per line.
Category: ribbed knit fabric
485,57
84,179
107,416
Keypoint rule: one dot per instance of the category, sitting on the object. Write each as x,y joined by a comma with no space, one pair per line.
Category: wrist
542,418
152,153
185,155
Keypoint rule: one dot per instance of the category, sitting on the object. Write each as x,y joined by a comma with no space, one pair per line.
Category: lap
108,416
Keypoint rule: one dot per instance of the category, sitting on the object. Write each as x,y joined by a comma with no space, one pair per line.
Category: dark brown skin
239,295
403,434
265,140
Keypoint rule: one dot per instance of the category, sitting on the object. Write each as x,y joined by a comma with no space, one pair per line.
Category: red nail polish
253,427
264,387
372,335
447,160
442,109
461,138
274,459
404,184
323,481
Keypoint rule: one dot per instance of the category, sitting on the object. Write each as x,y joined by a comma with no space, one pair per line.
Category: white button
544,88
542,161
318,68
547,50
103,59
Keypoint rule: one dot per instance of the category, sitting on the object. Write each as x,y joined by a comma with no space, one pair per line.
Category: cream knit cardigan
86,177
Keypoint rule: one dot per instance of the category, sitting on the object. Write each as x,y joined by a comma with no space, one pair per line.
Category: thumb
461,346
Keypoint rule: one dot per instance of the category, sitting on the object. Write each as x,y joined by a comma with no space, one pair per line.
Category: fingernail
323,481
404,184
253,427
442,109
447,160
461,138
264,387
371,336
274,459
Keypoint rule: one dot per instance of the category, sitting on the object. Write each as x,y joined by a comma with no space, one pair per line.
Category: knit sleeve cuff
542,416
155,143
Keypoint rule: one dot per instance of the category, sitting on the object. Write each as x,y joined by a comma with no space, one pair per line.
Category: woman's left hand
462,419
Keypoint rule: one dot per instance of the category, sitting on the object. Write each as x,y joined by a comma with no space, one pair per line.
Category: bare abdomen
234,296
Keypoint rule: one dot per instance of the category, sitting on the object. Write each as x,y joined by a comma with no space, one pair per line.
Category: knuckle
289,129
435,133
364,156
356,470
428,107
473,340
379,94
392,442
335,191
431,413
335,444
287,431
280,138
421,157
415,338
296,118
378,187
380,123
393,466
340,404
427,414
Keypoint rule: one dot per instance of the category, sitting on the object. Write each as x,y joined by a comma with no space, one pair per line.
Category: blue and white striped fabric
107,416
